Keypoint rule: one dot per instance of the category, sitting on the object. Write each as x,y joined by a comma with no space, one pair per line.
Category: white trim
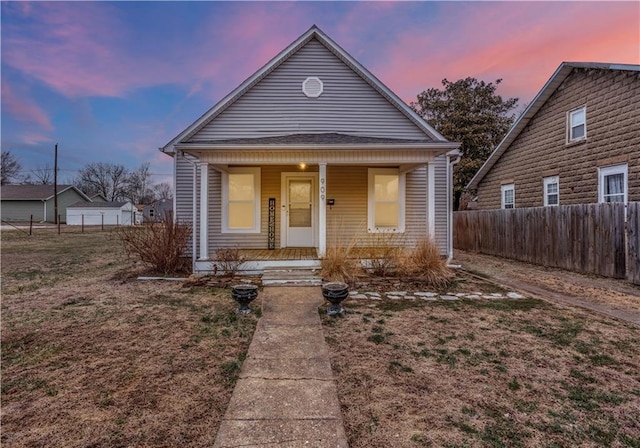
255,171
545,190
284,177
570,125
431,199
372,172
322,210
609,171
505,188
204,211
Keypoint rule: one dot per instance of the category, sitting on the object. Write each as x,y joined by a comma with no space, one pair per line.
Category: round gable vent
312,87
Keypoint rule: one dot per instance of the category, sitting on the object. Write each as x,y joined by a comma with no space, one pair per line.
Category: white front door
299,214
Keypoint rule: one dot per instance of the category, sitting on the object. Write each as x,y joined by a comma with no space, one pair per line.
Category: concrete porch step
292,276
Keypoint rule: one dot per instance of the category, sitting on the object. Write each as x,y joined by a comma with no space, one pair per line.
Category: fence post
58,224
82,223
102,224
30,225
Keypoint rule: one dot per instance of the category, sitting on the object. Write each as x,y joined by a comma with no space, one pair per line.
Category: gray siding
277,106
65,199
22,210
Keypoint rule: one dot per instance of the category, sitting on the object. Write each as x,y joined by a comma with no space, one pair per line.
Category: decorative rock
357,296
473,296
425,294
428,297
409,298
449,297
394,297
515,295
397,293
372,294
353,293
497,295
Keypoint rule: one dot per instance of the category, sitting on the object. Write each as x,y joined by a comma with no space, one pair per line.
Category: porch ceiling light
302,165
312,87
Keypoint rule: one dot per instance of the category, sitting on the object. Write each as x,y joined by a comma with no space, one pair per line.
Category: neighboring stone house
577,142
21,202
311,151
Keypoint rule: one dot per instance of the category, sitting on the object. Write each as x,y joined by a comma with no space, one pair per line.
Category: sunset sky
113,81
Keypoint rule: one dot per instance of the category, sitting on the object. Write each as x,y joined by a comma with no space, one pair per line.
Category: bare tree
163,191
42,175
9,169
139,189
107,179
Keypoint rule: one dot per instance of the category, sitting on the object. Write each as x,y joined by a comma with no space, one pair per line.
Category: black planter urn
244,295
335,293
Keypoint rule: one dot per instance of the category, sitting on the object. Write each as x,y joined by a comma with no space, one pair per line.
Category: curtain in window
614,188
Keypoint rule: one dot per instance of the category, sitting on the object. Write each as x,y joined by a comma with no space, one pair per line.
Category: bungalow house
157,210
577,142
21,202
310,151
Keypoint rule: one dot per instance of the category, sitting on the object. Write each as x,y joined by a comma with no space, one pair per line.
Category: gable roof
35,192
558,77
313,33
115,204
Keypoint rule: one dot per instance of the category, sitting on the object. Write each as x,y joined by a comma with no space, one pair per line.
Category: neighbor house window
551,191
386,200
508,192
577,125
241,200
612,184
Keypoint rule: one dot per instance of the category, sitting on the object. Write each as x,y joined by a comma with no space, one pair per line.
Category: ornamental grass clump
162,245
424,263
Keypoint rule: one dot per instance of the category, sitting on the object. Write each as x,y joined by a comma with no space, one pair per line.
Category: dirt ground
618,294
485,373
93,357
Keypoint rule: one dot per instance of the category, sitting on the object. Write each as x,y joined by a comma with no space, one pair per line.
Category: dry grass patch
491,373
92,358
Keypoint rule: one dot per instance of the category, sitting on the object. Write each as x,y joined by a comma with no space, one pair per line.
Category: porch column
322,210
431,199
204,211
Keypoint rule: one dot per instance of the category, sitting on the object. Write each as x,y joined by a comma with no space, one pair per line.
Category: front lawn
93,357
484,373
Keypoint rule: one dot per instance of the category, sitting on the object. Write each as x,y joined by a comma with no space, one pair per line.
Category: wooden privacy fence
588,238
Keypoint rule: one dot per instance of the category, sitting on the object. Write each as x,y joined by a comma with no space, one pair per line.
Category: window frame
503,189
571,125
371,212
255,171
545,190
612,170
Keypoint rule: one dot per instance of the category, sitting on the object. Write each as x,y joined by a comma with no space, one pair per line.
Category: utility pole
55,184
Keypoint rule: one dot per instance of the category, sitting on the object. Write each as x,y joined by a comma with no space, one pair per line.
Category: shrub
425,263
228,260
384,256
159,244
338,264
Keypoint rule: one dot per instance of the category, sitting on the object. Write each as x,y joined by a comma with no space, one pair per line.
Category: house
101,213
157,210
21,202
577,142
98,198
310,151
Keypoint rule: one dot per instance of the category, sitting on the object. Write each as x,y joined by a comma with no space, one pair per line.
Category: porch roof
328,138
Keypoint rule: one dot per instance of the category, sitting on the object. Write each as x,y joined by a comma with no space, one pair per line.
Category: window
577,125
508,195
551,191
241,200
386,200
612,184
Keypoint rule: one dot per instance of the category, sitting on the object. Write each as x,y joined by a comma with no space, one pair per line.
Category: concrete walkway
286,395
